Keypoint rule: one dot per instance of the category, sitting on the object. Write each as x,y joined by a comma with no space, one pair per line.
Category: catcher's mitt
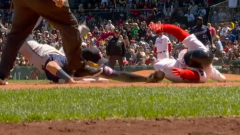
156,77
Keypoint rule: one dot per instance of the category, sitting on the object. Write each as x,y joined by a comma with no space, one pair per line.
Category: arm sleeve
190,75
193,75
198,74
155,49
179,33
169,47
191,41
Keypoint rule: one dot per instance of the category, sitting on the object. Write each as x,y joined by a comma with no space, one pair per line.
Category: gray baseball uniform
36,53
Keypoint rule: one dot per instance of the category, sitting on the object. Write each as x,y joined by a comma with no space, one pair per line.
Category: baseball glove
156,77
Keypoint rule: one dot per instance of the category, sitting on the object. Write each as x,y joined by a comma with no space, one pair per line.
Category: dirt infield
189,126
230,78
200,126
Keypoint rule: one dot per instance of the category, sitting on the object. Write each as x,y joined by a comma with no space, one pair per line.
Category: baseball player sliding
162,46
193,64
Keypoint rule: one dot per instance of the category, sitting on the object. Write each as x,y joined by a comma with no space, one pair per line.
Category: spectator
212,30
219,46
110,26
134,31
224,30
190,18
231,36
193,8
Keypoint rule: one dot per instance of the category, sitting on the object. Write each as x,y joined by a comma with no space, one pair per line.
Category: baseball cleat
155,77
3,82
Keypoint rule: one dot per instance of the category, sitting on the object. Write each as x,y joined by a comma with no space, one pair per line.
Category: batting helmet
198,59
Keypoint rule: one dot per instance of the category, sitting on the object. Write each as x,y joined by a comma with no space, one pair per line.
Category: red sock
179,33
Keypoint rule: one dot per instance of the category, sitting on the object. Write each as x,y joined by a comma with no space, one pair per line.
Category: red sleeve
155,49
179,33
169,47
190,75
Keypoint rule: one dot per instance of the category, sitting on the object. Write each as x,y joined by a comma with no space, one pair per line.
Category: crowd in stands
132,17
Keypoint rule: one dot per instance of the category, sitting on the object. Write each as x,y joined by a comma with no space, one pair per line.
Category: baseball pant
112,62
26,14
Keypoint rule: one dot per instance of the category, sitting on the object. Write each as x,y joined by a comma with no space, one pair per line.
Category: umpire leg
120,62
23,22
112,62
66,23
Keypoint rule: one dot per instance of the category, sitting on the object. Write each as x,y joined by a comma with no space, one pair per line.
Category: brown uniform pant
112,62
26,14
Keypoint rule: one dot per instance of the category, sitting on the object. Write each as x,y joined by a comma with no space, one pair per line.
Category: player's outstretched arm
56,70
217,76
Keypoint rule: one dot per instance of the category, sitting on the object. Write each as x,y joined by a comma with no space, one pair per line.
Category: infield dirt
188,126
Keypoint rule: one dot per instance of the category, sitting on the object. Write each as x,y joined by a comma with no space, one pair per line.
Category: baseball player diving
53,63
193,64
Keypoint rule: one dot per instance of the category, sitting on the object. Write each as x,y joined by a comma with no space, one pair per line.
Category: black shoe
90,70
156,77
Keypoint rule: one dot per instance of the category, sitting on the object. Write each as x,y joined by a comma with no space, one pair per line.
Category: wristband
63,75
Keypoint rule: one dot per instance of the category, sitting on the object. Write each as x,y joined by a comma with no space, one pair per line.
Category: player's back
36,53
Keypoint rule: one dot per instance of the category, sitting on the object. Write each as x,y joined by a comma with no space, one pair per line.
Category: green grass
113,81
28,81
117,102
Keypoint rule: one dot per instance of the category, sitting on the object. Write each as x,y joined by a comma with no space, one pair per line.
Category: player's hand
177,71
59,3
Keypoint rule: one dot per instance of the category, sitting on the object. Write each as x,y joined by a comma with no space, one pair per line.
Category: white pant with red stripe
162,55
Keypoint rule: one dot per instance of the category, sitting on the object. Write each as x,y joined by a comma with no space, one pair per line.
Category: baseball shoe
90,69
3,82
156,77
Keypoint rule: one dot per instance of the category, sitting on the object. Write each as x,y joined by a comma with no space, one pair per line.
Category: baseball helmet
199,59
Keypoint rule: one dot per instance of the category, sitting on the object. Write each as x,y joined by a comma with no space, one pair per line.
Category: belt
161,52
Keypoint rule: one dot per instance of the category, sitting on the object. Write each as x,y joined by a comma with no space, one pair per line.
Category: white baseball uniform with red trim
162,47
192,43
